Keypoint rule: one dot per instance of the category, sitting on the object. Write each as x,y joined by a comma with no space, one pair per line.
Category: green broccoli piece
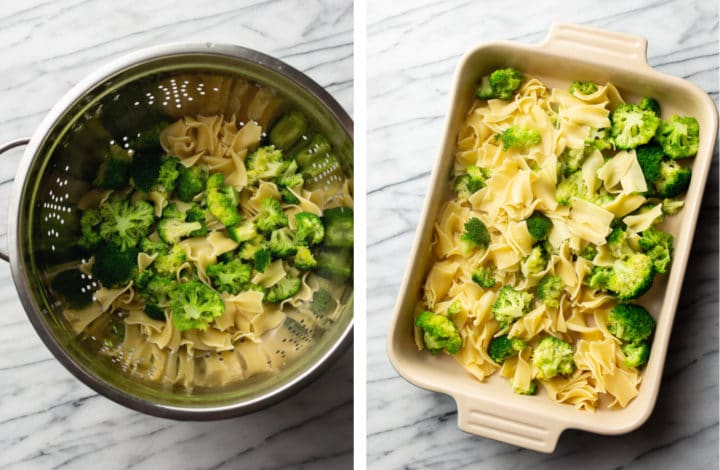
230,276
290,179
167,176
125,223
516,137
304,259
195,305
619,243
281,244
249,247
532,390
338,224
471,181
570,161
679,136
599,277
265,163
539,225
322,303
439,333
584,88
535,262
261,259
144,170
630,323
222,200
197,214
632,126
589,252
454,308
649,157
649,103
631,277
500,84
484,277
672,206
283,289
600,139
476,235
287,196
510,305
288,130
658,245
154,311
169,263
158,289
242,232
334,263
502,348
674,179
636,354
550,289
151,247
571,187
311,231
143,278
113,266
75,287
113,171
89,224
191,181
173,227
553,356
271,216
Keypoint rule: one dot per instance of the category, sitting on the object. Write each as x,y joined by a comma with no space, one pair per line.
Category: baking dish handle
4,148
504,423
597,45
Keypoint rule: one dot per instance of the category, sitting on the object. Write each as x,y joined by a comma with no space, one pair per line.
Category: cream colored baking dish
569,53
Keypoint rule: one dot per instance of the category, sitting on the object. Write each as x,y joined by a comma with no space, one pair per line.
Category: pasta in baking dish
551,235
217,249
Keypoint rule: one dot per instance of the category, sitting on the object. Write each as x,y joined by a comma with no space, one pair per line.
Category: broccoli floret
74,287
553,356
679,136
649,103
630,323
636,354
169,263
89,223
570,161
113,171
143,278
151,247
287,196
289,178
113,266
191,181
197,214
222,200
600,139
283,289
124,223
144,170
338,223
158,289
532,390
672,206
304,259
261,259
503,348
510,305
658,245
471,181
539,225
288,130
439,333
484,277
649,157
230,276
173,227
550,289
250,247
281,243
632,277
584,88
195,305
535,262
322,303
454,308
599,277
167,176
265,163
516,137
334,263
271,216
674,179
619,243
311,231
154,311
589,252
571,187
243,232
500,84
632,126
476,235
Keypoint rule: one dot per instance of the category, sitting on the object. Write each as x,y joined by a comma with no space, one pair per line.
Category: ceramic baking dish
569,53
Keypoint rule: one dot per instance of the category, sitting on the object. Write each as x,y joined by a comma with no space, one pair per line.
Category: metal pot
34,246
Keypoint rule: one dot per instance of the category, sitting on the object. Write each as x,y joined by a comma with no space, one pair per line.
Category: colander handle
4,148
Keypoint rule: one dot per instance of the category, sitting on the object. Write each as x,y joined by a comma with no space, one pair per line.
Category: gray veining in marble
48,419
413,48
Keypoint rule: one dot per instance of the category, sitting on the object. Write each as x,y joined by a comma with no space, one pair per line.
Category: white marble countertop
48,419
413,48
